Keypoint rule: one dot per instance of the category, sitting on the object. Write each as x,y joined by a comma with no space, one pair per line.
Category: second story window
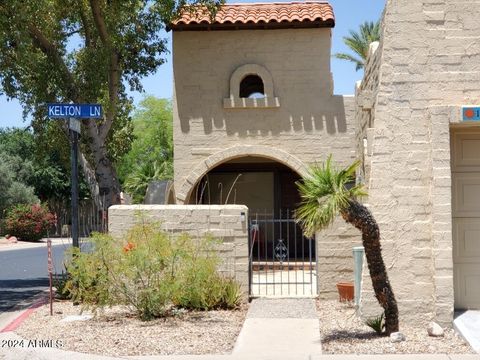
252,87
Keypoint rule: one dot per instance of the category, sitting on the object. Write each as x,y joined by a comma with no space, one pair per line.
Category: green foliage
137,182
151,154
84,52
199,284
325,192
60,282
29,222
359,43
376,323
33,170
13,190
151,271
19,142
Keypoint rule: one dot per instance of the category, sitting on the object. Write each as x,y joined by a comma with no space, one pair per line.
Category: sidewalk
275,329
5,245
18,353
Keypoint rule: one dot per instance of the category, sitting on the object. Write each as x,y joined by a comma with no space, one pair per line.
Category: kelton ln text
74,111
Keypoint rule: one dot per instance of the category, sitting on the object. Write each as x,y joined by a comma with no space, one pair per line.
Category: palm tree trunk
360,217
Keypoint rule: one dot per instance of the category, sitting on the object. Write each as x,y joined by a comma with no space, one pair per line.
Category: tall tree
40,166
359,43
326,192
151,154
84,51
14,190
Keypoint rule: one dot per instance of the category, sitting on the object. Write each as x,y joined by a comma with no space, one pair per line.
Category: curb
15,323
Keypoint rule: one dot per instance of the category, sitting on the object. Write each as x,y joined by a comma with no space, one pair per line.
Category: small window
252,87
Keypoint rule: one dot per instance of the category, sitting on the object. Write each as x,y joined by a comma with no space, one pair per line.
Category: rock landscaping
116,331
342,332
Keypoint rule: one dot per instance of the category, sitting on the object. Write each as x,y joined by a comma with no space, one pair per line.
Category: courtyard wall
224,222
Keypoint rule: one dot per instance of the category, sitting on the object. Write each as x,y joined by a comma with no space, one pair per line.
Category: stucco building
421,153
254,106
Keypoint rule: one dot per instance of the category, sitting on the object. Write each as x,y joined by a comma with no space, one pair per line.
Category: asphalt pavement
24,274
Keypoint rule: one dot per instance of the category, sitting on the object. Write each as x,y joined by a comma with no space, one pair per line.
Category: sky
349,14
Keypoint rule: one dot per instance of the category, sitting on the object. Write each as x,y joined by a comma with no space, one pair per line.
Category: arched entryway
184,192
265,186
282,260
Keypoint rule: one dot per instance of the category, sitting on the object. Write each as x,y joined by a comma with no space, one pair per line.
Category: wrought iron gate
283,262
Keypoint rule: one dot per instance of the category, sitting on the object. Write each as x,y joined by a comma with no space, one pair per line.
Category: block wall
425,70
225,222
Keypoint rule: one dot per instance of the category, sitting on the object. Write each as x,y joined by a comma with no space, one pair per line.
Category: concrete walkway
280,327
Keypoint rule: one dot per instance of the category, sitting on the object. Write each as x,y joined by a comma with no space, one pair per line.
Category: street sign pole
74,112
74,163
50,272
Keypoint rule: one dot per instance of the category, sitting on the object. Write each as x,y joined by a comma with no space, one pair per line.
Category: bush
60,284
376,323
152,272
200,286
29,222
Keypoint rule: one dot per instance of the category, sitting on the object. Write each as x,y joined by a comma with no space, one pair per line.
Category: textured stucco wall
309,124
221,221
335,256
428,67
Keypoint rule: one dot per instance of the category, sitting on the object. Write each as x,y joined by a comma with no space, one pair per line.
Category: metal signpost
74,112
50,273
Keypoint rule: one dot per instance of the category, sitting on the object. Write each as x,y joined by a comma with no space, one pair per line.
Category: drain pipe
358,252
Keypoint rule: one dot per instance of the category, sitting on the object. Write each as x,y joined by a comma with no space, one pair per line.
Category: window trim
235,101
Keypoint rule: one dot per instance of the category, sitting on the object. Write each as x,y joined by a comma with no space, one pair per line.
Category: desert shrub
88,281
200,286
151,271
60,281
29,222
376,323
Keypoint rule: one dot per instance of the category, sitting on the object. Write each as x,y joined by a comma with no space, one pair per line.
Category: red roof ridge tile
308,13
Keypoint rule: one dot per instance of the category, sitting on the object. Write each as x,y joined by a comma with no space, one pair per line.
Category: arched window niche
251,86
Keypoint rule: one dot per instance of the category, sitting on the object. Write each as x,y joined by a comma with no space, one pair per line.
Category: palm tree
359,42
325,193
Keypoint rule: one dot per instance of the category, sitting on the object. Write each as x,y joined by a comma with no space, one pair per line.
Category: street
23,274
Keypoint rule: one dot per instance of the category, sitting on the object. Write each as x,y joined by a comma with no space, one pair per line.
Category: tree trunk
109,186
90,179
360,217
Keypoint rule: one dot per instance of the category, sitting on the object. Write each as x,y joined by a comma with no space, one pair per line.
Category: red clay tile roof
259,15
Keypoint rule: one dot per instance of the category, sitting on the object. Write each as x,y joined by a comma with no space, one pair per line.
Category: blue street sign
79,111
471,113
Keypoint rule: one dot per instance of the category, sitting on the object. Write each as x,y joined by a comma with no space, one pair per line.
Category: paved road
23,274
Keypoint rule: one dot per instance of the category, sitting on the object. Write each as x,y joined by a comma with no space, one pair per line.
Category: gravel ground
117,332
344,333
